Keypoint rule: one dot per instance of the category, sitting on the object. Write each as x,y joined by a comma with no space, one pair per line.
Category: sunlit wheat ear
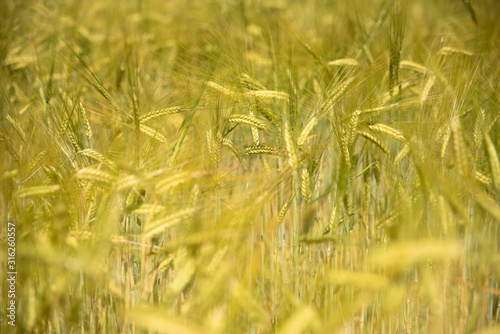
126,182
306,131
331,221
305,185
36,162
283,211
344,146
250,83
335,94
96,175
228,143
492,123
450,51
427,88
488,203
382,128
52,173
318,90
130,198
269,115
402,154
478,129
8,175
174,180
289,145
93,154
481,178
248,120
223,90
410,65
157,226
255,131
353,125
344,62
147,209
459,147
374,140
159,113
446,139
268,94
16,126
73,140
214,145
86,123
262,149
38,190
349,135
152,133
493,159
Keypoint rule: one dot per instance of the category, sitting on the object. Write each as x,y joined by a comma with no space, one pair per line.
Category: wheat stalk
249,120
214,145
446,139
410,65
36,161
90,153
480,177
493,159
152,133
173,181
306,131
159,113
289,146
387,130
268,94
255,131
459,147
148,209
344,62
374,140
251,83
353,125
305,185
93,174
86,123
262,149
402,154
223,90
336,94
450,51
126,182
488,203
38,190
17,126
74,141
227,142
283,211
157,226
478,128
427,88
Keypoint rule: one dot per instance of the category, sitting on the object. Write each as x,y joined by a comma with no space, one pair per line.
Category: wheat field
250,166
